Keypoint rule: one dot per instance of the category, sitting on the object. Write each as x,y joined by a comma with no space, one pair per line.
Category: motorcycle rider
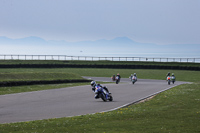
173,76
131,77
113,77
119,77
94,86
168,74
135,76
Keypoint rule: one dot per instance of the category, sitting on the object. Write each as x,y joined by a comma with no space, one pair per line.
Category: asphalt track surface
73,101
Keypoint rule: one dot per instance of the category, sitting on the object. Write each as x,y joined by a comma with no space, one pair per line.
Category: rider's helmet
172,74
118,74
93,83
134,74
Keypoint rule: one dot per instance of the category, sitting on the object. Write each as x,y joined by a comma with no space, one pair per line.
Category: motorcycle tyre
103,97
111,98
117,81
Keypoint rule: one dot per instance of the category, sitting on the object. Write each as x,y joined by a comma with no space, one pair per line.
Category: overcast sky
148,21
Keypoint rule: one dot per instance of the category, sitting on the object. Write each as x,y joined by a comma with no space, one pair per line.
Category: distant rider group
103,92
170,78
116,78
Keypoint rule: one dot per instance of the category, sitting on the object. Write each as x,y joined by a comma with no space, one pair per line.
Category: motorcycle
168,80
103,94
117,79
113,78
134,79
173,79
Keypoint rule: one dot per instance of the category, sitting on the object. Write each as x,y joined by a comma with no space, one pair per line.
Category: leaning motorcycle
113,78
173,79
103,94
117,79
134,79
168,80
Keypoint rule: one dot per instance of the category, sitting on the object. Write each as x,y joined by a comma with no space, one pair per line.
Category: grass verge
60,73
175,110
73,73
37,76
103,62
29,88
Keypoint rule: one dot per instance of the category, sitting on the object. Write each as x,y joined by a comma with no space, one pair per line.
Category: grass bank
175,110
13,62
181,75
22,74
29,88
36,76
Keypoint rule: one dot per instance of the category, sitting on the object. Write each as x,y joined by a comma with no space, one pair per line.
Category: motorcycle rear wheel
103,97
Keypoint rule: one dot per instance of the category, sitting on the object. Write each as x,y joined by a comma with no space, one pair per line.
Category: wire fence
91,58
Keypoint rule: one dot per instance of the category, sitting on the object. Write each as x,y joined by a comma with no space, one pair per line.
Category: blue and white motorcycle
117,79
103,94
134,79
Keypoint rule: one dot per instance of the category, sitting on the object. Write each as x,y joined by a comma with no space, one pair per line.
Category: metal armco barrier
90,58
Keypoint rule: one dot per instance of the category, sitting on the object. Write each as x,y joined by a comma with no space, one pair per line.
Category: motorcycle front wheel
111,98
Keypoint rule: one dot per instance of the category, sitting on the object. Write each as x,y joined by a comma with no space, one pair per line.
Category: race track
73,101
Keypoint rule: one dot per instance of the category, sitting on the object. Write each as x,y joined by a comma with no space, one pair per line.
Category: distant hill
31,39
119,41
26,40
124,40
117,45
38,40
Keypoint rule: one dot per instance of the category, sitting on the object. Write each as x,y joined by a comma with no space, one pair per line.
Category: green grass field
189,64
175,110
74,73
181,75
36,76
